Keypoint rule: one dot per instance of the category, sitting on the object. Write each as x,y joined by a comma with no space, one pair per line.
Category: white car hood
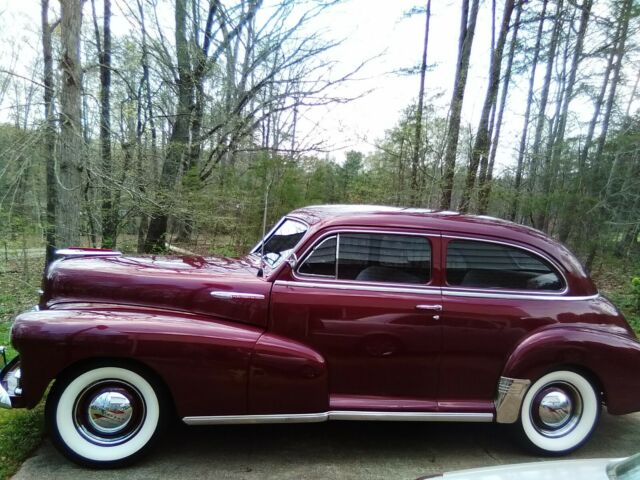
595,469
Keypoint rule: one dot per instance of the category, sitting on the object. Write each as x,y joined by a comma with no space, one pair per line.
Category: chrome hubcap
556,409
109,412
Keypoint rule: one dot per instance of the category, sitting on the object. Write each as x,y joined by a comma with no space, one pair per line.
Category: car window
282,241
478,264
378,257
371,257
322,259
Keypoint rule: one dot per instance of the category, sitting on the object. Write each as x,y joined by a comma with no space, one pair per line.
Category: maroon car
340,313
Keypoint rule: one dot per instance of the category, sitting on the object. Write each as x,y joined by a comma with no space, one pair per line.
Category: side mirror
292,261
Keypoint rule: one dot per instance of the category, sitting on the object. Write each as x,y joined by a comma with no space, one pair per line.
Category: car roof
448,222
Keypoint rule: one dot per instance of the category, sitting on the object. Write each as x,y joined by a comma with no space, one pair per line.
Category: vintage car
340,313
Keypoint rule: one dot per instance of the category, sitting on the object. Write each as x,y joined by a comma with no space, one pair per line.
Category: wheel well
132,364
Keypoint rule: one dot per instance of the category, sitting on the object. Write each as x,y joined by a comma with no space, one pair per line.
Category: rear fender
606,353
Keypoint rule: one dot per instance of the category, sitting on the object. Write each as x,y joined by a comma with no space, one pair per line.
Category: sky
369,29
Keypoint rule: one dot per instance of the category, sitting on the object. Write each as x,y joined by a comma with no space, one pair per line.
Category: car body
587,469
342,313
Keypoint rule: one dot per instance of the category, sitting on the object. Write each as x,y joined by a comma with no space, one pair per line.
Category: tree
417,137
69,178
465,42
483,137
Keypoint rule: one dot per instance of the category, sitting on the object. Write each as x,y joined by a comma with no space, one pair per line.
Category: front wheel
104,415
559,412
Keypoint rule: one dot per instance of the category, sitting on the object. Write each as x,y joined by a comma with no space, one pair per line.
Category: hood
203,285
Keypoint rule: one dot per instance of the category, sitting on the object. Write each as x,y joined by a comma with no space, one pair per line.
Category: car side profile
339,313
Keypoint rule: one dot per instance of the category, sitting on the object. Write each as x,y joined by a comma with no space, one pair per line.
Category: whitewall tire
104,415
559,412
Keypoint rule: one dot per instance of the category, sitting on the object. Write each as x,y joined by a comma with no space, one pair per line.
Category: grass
21,431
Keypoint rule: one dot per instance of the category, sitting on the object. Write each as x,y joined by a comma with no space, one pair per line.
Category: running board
341,415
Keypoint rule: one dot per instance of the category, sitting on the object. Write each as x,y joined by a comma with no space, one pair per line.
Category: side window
478,264
378,257
322,260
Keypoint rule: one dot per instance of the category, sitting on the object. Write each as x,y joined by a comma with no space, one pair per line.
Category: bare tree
465,42
69,178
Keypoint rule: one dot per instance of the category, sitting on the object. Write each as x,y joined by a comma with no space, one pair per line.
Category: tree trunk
558,139
109,212
71,141
482,140
467,31
485,180
544,95
178,143
417,136
49,137
525,127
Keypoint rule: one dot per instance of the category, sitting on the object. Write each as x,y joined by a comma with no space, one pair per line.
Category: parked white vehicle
596,469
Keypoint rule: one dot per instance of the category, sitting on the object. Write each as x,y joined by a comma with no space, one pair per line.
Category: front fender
608,352
197,357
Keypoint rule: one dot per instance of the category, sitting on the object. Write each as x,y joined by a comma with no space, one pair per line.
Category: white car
596,469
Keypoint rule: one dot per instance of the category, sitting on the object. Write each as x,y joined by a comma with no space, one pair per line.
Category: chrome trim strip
515,245
359,287
249,419
236,295
340,415
515,296
511,391
411,416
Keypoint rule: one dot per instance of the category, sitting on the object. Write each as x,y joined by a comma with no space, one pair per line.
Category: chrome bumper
5,399
10,382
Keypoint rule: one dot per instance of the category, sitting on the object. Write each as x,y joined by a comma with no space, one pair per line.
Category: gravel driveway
335,450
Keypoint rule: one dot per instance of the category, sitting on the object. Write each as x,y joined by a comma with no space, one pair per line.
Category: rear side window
371,257
478,264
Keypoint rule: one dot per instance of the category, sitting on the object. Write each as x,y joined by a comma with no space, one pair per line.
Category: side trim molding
359,287
341,415
511,391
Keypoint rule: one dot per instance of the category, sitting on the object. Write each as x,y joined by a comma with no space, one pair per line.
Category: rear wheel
104,415
559,412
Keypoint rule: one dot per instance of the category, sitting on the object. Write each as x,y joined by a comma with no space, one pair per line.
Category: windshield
628,469
281,242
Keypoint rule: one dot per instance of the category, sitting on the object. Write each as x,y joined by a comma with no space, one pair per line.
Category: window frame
428,236
555,267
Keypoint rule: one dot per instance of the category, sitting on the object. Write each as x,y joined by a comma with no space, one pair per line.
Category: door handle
431,308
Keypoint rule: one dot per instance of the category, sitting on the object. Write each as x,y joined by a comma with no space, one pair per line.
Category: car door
494,294
367,301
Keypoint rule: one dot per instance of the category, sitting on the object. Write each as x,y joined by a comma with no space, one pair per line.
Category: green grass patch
21,431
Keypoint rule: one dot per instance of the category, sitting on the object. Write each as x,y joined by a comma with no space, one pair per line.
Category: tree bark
482,140
467,32
109,208
49,137
71,140
417,136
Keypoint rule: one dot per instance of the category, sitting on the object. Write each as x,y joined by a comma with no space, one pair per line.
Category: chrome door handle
432,308
236,295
